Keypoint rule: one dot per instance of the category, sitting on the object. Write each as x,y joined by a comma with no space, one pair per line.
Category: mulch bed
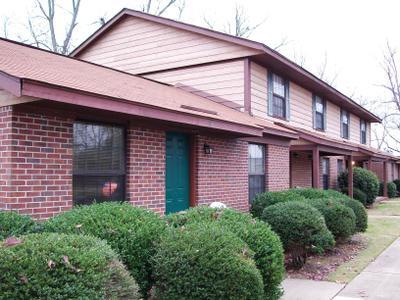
318,267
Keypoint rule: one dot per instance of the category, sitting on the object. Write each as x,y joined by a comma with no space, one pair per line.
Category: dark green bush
301,228
397,183
205,261
14,224
59,266
310,193
359,211
267,248
358,195
131,231
391,189
364,180
339,219
261,201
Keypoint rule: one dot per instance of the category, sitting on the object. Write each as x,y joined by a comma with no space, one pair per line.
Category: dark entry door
177,185
325,173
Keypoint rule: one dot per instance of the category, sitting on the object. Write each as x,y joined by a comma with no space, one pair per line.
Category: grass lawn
381,233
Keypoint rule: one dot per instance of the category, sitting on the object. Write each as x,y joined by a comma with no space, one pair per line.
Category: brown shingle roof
24,62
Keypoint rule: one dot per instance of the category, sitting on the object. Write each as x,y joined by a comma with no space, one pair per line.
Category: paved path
302,289
379,280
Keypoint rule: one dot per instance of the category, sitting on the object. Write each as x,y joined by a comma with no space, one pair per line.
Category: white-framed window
256,162
278,96
319,113
345,124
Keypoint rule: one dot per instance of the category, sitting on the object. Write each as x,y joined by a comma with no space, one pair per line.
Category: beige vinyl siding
355,135
300,106
259,90
332,120
221,82
139,46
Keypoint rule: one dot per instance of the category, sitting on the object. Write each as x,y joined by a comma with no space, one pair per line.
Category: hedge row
201,254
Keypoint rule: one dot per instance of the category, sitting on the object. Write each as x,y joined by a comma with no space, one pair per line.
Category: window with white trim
256,160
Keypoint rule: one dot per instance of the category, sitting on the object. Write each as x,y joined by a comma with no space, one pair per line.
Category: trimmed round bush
301,227
205,261
267,248
310,193
131,231
359,211
391,189
14,224
358,195
397,183
364,180
339,219
261,201
59,266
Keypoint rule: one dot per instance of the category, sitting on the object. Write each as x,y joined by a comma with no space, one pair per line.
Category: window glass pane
256,186
319,121
278,85
256,159
319,105
363,126
98,163
279,109
98,148
345,118
95,189
339,166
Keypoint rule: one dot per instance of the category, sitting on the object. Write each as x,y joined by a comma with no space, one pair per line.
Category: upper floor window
256,170
98,163
363,132
344,123
278,102
319,113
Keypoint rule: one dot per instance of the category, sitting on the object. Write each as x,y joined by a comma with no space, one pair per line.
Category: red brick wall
5,153
40,181
223,175
301,169
277,168
145,184
377,168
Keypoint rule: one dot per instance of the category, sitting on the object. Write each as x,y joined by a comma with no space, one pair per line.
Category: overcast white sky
352,33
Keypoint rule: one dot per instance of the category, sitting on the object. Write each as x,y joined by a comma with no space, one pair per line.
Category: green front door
177,172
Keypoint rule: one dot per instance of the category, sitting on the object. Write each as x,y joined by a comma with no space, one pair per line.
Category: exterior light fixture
207,149
353,163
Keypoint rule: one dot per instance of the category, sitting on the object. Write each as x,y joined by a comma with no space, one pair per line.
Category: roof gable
263,55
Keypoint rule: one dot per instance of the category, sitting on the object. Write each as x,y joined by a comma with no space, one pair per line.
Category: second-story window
344,124
363,132
278,102
319,110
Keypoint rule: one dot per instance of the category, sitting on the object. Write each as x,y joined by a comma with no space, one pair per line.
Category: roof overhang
25,88
267,57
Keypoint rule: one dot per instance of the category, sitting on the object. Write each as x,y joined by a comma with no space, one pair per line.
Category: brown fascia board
267,57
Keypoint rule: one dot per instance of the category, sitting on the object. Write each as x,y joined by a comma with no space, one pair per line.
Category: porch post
315,169
385,192
350,178
369,163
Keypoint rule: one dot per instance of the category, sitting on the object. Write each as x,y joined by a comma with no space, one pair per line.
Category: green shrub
261,201
364,180
267,248
205,261
391,189
397,183
131,231
339,219
310,193
360,213
358,195
14,224
59,266
301,228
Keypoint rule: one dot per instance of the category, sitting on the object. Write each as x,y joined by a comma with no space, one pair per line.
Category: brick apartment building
168,115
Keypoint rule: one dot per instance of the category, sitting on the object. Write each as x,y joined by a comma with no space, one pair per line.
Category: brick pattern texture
223,175
38,163
277,168
5,153
301,169
145,184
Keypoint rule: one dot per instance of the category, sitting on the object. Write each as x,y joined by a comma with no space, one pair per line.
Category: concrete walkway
302,289
379,280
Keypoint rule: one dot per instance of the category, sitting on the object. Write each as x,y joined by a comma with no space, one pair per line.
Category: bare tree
322,72
5,24
160,7
239,26
43,26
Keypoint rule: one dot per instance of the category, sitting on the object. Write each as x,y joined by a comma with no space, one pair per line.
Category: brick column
350,177
316,167
385,179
